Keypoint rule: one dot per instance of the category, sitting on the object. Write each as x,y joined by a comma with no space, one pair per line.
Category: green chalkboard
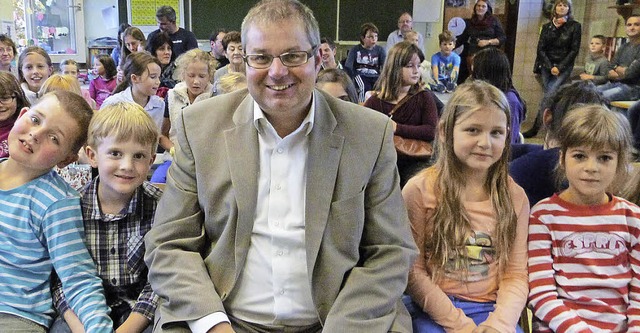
208,15
384,14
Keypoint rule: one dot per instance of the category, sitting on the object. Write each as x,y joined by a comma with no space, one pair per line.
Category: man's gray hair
167,12
270,11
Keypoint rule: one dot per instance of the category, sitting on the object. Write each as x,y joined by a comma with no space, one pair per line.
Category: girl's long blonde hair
451,225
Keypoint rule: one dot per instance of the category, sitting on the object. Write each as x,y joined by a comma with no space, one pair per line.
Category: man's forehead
266,28
405,16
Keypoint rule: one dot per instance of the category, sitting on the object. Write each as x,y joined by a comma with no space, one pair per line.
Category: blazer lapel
243,156
325,149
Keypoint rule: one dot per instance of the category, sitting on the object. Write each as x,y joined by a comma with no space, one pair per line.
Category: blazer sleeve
177,272
370,294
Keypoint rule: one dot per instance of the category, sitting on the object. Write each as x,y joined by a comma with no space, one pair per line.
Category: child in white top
35,67
140,83
195,68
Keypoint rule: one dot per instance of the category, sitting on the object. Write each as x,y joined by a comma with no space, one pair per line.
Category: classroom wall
6,15
595,17
96,24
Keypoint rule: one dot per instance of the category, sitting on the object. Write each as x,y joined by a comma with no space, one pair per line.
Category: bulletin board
143,12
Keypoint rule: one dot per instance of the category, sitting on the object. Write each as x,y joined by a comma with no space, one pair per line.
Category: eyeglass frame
309,54
6,100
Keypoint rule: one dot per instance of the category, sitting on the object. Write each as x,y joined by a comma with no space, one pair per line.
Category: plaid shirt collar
91,190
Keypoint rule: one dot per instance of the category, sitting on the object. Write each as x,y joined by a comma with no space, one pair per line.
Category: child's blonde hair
232,82
123,121
596,127
409,34
451,225
57,82
192,56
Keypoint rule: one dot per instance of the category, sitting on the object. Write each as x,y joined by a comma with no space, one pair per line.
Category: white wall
95,24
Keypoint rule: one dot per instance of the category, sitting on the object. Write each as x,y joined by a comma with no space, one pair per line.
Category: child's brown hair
446,36
77,108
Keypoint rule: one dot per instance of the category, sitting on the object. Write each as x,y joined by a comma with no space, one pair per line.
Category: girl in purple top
491,65
102,86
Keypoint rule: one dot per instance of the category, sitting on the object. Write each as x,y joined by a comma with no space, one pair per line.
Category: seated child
118,208
41,221
445,64
584,242
338,84
425,67
365,61
596,65
70,67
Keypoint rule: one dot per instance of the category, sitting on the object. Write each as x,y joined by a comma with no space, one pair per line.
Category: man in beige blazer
282,210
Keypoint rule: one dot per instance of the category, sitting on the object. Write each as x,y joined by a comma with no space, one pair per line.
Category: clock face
456,25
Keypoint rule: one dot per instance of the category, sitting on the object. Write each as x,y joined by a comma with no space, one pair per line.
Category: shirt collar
259,119
153,102
94,210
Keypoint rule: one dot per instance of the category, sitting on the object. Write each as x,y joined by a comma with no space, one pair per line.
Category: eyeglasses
6,50
405,22
7,99
289,59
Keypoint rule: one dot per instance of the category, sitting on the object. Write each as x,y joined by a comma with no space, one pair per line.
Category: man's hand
483,42
555,71
585,76
223,327
620,70
613,75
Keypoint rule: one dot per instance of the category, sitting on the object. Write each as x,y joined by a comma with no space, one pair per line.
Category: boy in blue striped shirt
41,228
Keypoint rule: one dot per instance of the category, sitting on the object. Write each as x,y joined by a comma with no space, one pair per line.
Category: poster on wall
142,13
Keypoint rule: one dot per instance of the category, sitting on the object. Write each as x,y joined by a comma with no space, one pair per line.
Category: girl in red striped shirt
583,242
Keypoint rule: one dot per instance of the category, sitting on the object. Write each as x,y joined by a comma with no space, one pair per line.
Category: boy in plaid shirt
117,209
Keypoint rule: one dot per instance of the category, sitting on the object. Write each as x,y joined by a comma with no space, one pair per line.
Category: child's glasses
7,99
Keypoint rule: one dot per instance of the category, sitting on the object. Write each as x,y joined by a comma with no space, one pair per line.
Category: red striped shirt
583,266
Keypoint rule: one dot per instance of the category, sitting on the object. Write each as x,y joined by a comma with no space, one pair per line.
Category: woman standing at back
482,30
558,47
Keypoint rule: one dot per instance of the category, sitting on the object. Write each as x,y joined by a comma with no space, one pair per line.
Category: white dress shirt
274,286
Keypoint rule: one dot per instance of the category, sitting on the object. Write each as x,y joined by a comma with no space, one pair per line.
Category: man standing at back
282,210
183,40
405,24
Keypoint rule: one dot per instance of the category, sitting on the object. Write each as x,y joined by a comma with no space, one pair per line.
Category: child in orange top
469,220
